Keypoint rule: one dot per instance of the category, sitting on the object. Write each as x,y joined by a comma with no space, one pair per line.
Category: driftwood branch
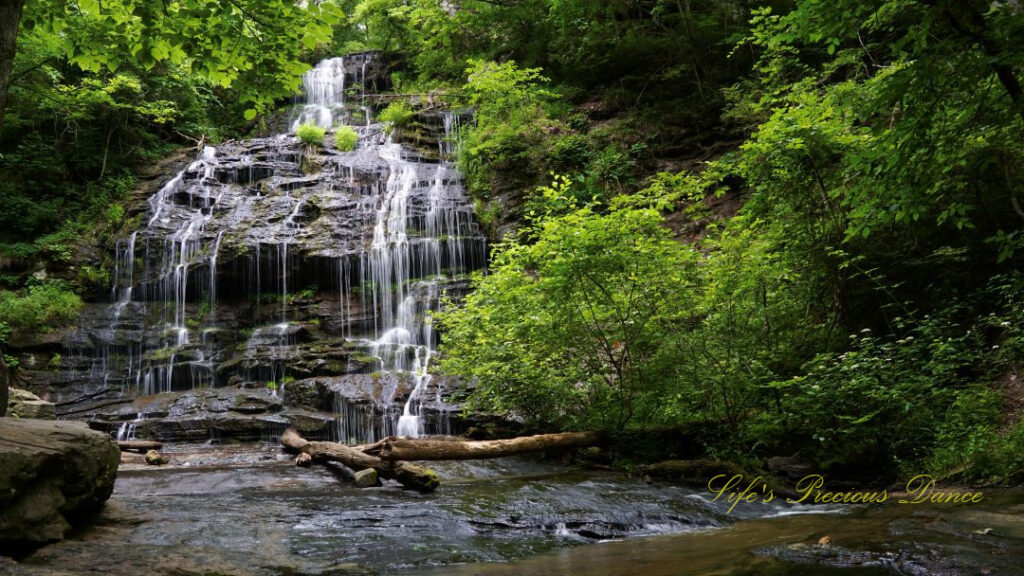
395,449
139,445
409,475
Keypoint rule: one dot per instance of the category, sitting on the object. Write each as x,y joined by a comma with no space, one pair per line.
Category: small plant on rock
310,135
345,138
312,138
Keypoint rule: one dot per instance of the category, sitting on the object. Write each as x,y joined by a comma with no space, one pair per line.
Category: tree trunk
3,385
409,475
394,449
10,15
139,445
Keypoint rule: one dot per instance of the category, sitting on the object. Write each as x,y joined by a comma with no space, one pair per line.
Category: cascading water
247,271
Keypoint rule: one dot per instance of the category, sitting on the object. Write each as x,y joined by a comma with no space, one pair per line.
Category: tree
250,45
10,15
572,329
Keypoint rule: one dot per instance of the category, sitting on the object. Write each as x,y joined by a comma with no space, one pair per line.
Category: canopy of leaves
251,45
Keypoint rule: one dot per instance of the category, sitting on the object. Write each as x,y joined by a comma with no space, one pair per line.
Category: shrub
345,138
40,307
570,152
115,214
397,114
310,135
574,328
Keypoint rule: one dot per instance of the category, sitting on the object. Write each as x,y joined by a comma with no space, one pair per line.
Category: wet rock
692,471
308,423
24,404
366,478
791,467
256,403
154,458
52,473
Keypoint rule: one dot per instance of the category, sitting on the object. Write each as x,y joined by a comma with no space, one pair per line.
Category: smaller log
395,449
409,475
139,445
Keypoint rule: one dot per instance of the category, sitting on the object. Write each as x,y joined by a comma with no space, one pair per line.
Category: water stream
249,511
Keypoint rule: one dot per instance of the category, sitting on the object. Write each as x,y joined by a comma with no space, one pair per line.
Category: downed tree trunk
140,445
393,449
409,475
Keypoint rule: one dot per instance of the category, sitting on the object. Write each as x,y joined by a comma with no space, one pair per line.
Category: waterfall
246,270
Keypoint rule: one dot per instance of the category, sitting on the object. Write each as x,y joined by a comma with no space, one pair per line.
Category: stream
248,510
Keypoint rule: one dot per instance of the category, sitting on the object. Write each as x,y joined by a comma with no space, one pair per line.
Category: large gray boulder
52,473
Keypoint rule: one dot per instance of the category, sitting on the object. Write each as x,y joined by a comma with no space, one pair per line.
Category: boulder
154,458
24,404
366,478
52,474
791,467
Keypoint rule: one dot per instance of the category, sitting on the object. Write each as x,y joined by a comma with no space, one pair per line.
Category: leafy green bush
511,123
345,138
397,114
569,153
574,329
94,278
310,135
115,214
969,445
39,307
614,167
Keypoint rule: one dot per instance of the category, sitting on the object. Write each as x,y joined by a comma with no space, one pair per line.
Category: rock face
267,262
353,408
51,474
24,404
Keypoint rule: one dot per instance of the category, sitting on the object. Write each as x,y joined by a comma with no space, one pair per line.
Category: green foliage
93,278
878,401
70,139
39,307
345,138
310,135
571,330
250,45
115,215
510,119
396,115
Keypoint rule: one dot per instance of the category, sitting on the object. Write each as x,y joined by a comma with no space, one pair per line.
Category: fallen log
139,445
408,475
394,449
